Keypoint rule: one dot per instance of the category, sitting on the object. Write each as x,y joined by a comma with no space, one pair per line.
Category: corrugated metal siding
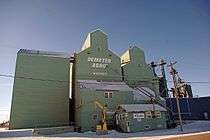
85,62
87,108
137,126
40,99
141,107
191,108
137,72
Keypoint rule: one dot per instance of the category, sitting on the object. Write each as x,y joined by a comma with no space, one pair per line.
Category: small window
148,114
158,114
108,94
146,127
141,115
95,116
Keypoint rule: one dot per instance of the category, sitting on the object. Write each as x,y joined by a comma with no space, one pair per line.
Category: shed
140,117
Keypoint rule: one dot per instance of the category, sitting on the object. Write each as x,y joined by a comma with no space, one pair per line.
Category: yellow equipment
101,129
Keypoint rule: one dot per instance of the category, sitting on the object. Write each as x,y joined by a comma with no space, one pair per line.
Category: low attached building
109,94
140,117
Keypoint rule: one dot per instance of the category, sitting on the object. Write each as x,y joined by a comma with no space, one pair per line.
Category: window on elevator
108,94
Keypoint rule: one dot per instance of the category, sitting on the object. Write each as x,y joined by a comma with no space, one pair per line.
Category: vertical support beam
72,89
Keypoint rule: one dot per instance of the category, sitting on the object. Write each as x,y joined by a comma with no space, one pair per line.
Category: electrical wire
39,79
63,81
119,83
53,80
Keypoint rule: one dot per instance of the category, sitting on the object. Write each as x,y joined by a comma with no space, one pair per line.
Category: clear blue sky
170,29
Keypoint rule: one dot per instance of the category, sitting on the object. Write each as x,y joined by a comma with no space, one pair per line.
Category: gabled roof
96,85
141,107
115,86
96,39
133,55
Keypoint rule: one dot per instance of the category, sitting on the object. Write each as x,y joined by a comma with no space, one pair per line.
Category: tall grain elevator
56,89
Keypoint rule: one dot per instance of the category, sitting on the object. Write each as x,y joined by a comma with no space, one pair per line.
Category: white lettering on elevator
99,62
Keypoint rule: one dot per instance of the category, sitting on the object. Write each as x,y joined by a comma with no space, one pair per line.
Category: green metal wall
41,87
84,69
41,92
136,71
136,126
86,108
95,49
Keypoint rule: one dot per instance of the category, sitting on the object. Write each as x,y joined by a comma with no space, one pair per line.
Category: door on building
128,126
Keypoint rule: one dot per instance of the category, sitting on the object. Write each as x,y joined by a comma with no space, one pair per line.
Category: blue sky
170,29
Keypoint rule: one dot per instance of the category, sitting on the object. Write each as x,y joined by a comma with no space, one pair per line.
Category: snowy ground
194,127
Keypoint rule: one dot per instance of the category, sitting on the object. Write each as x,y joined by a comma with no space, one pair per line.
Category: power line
53,80
63,81
39,79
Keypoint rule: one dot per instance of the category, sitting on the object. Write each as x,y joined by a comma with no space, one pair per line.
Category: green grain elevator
97,78
136,71
54,89
41,90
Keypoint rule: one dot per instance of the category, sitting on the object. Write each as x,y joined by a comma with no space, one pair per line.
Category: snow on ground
4,114
194,127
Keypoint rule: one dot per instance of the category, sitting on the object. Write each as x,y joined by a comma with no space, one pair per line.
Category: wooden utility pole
161,65
173,72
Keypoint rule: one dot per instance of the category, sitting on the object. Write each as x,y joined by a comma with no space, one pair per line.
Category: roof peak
96,39
98,30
